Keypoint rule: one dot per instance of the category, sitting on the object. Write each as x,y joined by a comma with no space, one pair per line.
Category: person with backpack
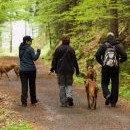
64,64
109,55
27,70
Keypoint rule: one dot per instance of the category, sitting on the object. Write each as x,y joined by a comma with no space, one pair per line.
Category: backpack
110,57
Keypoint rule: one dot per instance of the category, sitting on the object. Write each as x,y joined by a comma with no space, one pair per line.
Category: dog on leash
91,87
6,68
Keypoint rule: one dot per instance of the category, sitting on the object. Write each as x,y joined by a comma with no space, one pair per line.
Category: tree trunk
65,26
114,19
49,33
11,36
0,40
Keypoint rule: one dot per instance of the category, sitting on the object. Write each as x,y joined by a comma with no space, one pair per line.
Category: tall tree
114,19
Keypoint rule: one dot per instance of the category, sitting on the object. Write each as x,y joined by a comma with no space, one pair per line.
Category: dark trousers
110,75
65,80
28,79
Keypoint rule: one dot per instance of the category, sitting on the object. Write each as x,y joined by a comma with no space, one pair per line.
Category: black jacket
70,61
121,54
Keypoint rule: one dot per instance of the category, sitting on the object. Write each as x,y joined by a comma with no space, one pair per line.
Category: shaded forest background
86,21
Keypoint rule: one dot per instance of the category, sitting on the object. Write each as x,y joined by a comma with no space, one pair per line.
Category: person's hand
77,74
38,50
50,73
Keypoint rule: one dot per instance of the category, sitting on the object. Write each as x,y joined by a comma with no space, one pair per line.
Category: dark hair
65,39
27,38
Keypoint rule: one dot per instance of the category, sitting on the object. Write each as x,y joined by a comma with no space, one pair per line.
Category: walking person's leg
24,88
32,86
114,88
69,89
62,92
104,84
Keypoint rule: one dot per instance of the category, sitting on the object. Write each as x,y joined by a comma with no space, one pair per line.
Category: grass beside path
9,119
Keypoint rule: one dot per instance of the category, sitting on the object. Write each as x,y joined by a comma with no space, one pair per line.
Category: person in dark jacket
28,70
110,74
64,64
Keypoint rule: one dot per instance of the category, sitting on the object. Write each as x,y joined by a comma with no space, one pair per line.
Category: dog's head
91,74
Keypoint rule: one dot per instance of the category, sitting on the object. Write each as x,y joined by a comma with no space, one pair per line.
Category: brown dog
6,68
91,87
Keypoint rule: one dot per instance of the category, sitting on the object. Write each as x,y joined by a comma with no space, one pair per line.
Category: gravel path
48,115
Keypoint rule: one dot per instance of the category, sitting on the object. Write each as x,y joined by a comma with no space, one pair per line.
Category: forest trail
48,115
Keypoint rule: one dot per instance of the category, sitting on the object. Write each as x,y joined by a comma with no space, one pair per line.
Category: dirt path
48,115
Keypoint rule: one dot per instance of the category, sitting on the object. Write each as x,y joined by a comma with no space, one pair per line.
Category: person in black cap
27,72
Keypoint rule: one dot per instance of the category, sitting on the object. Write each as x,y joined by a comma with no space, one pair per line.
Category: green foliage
9,123
125,67
18,126
16,10
124,6
125,93
124,83
47,11
79,80
3,11
45,50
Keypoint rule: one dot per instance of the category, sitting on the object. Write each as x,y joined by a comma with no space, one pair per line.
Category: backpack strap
109,45
65,52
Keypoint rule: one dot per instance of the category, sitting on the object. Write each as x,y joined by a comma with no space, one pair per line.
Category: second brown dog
6,68
91,87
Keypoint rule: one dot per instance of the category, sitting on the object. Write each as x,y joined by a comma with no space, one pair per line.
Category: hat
110,34
27,38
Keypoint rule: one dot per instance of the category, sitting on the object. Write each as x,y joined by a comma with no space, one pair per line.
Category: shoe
63,105
113,105
23,104
107,100
70,101
35,102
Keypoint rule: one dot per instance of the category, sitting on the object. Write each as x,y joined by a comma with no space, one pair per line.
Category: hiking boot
22,104
33,103
113,105
70,101
63,105
107,100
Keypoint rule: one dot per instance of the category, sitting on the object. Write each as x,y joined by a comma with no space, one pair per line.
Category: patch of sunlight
8,54
18,29
45,50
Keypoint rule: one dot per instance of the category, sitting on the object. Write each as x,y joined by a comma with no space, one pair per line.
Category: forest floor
48,115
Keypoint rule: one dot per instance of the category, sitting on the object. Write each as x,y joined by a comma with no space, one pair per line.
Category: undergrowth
18,126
